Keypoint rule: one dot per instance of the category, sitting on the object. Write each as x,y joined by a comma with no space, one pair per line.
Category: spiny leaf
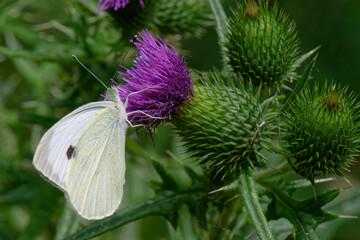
301,83
198,206
303,58
195,178
221,28
304,215
168,182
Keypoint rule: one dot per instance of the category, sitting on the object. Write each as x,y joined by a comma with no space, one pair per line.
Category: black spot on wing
70,152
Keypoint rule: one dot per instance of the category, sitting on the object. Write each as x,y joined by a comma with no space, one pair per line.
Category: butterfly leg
134,126
139,111
127,98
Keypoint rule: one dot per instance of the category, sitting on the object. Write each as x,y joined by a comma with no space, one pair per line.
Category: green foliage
262,44
304,215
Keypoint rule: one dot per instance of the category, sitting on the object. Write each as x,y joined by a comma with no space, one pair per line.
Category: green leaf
302,58
301,83
168,182
297,184
304,215
221,28
198,206
195,178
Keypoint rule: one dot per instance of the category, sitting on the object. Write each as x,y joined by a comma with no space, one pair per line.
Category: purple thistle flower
115,4
159,80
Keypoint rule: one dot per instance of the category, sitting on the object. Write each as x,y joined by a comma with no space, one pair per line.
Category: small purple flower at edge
115,4
159,80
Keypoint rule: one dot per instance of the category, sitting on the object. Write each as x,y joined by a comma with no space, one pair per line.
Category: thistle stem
221,28
253,206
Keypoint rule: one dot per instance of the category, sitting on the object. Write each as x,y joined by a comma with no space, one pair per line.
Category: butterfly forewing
97,167
53,154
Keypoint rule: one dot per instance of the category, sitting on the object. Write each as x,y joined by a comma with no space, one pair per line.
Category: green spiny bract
225,127
322,132
185,17
262,44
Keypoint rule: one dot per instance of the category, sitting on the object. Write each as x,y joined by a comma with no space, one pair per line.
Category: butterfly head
112,94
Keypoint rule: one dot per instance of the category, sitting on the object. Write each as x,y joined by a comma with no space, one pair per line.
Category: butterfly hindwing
97,167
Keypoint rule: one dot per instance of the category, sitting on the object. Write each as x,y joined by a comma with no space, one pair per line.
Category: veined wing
53,154
97,167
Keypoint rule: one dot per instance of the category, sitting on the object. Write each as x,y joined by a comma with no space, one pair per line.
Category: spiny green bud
134,17
185,17
262,44
226,127
322,132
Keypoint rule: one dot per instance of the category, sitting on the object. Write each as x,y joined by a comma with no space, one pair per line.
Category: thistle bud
185,17
226,127
322,132
262,44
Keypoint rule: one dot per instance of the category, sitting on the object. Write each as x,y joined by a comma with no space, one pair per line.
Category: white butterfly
84,156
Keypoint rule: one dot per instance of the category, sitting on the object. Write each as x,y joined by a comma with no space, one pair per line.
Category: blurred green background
40,83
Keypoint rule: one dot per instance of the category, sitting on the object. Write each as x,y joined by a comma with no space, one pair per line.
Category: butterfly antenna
122,59
89,71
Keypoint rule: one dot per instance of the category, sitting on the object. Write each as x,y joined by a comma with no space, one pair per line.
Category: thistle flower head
322,132
159,82
115,4
226,127
262,44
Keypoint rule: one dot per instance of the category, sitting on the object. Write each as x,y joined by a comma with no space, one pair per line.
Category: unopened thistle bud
262,44
184,17
322,132
226,127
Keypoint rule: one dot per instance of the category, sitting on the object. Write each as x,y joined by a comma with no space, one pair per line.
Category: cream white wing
97,167
53,154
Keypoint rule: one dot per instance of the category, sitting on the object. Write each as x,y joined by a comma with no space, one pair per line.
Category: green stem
253,206
162,205
221,28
